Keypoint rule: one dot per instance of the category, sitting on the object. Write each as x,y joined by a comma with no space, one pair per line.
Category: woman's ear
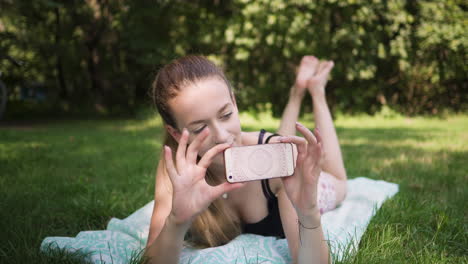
173,132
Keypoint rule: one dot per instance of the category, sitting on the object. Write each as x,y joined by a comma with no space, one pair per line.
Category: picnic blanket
125,239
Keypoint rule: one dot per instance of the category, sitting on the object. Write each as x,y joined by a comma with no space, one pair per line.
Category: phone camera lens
230,176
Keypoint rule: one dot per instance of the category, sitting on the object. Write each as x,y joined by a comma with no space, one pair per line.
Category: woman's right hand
191,193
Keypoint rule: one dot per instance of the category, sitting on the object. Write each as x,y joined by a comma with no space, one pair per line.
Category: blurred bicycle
3,87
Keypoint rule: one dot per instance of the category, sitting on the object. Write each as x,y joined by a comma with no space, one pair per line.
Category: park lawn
59,178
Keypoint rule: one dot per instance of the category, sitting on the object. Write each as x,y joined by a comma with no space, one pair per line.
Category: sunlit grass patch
57,179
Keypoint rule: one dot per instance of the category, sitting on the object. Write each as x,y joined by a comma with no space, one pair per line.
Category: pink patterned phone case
257,162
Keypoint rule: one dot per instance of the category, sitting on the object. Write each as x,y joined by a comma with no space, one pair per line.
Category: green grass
57,179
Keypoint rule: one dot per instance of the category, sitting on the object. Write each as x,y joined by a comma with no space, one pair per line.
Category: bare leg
312,75
333,162
290,115
291,112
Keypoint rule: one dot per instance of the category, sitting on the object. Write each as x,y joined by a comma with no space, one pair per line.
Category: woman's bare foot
317,82
305,71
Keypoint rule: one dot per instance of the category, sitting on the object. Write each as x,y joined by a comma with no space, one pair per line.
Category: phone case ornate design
259,162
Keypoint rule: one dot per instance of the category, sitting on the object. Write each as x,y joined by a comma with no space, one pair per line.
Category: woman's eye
199,130
226,116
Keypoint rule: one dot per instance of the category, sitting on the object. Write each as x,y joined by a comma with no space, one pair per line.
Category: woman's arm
162,202
163,236
166,247
298,201
189,196
311,239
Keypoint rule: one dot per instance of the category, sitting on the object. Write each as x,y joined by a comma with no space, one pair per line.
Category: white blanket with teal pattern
125,239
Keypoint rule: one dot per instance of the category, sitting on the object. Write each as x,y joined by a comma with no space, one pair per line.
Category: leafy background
100,56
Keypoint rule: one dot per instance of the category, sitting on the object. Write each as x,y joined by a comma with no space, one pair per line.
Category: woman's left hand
301,187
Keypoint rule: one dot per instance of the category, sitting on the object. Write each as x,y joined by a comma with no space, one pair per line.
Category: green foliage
406,55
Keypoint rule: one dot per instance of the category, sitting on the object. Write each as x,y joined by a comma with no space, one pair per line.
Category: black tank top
271,224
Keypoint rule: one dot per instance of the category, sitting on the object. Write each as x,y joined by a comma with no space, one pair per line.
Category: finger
171,170
194,147
301,145
314,139
316,159
318,136
210,154
181,149
223,188
308,135
318,147
299,141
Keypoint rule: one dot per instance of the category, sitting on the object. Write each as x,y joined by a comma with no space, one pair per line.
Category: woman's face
207,103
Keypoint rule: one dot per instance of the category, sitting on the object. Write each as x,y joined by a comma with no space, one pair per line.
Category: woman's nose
220,134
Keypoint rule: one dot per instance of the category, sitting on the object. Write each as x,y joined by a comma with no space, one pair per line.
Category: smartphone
257,162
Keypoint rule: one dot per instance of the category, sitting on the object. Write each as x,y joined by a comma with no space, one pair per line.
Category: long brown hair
214,226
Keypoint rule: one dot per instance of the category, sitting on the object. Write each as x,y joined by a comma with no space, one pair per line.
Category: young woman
193,201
